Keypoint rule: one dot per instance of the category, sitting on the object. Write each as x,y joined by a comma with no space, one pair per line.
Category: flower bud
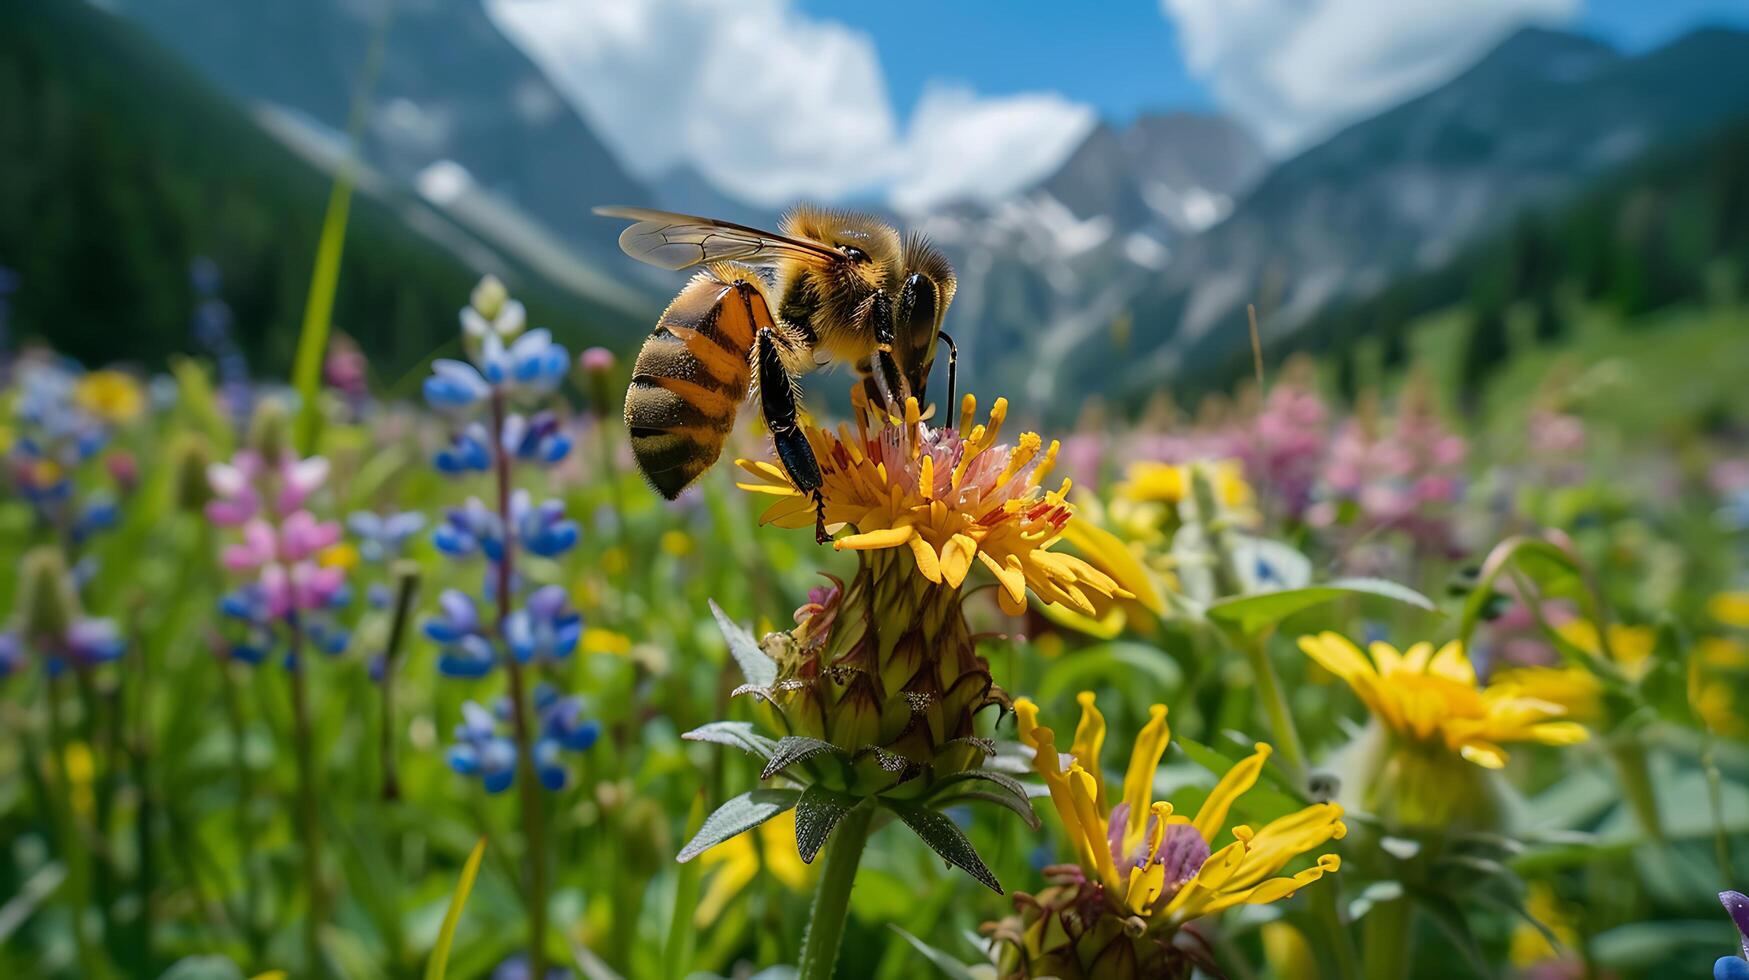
47,602
124,469
489,297
190,456
270,430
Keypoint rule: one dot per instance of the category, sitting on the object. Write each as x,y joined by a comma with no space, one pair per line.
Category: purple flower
469,529
87,643
542,530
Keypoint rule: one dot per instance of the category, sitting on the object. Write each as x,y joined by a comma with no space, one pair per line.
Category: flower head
1434,700
946,496
1159,865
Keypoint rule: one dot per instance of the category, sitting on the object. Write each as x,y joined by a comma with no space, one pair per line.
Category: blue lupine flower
382,537
539,438
470,450
468,529
481,751
561,728
11,654
379,595
544,628
542,530
455,384
100,513
467,652
88,643
531,365
517,968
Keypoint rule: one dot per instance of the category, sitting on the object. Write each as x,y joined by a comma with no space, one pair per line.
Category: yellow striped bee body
849,289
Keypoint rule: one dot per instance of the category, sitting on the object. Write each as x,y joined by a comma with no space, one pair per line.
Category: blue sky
1122,57
921,102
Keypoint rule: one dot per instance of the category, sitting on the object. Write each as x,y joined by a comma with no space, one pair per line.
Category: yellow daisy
1433,699
947,496
1160,865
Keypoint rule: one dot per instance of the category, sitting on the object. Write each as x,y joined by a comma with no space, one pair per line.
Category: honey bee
849,289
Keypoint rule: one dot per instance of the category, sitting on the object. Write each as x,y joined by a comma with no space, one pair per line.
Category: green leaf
1009,792
759,669
738,734
946,839
737,816
1148,672
1252,614
942,961
439,962
817,812
792,749
1450,919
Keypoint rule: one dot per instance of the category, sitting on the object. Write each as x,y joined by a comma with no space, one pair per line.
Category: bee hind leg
777,403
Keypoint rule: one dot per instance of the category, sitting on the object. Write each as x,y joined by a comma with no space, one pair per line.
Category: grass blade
434,970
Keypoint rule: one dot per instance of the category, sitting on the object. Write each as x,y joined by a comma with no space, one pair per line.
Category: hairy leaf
738,734
817,812
792,749
759,669
947,840
739,815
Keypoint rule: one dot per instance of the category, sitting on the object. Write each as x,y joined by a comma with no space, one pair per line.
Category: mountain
452,92
119,165
1051,270
1533,122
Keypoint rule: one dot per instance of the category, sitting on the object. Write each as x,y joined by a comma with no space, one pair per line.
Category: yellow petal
928,564
1484,754
1089,739
1213,815
886,537
1138,779
956,559
1337,655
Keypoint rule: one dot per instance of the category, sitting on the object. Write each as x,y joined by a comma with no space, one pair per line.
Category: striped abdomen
692,375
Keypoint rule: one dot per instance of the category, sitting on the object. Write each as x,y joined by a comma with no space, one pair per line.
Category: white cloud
773,105
961,145
1296,70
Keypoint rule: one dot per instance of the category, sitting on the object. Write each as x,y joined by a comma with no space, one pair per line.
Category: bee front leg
888,379
777,403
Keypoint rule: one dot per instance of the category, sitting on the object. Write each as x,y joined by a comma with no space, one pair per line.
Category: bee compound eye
853,253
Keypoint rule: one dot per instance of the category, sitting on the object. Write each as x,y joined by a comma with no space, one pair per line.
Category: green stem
71,845
246,917
832,899
1326,902
1281,720
1636,782
677,954
1387,939
528,787
308,829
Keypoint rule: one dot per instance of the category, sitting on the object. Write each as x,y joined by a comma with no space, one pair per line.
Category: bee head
871,246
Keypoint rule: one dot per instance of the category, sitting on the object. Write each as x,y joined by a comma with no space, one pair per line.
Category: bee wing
679,241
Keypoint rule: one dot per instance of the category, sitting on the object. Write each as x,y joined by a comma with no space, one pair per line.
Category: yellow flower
113,396
1631,646
342,556
1730,609
1529,945
1158,864
1170,483
1433,699
1574,688
598,640
677,543
737,863
948,496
